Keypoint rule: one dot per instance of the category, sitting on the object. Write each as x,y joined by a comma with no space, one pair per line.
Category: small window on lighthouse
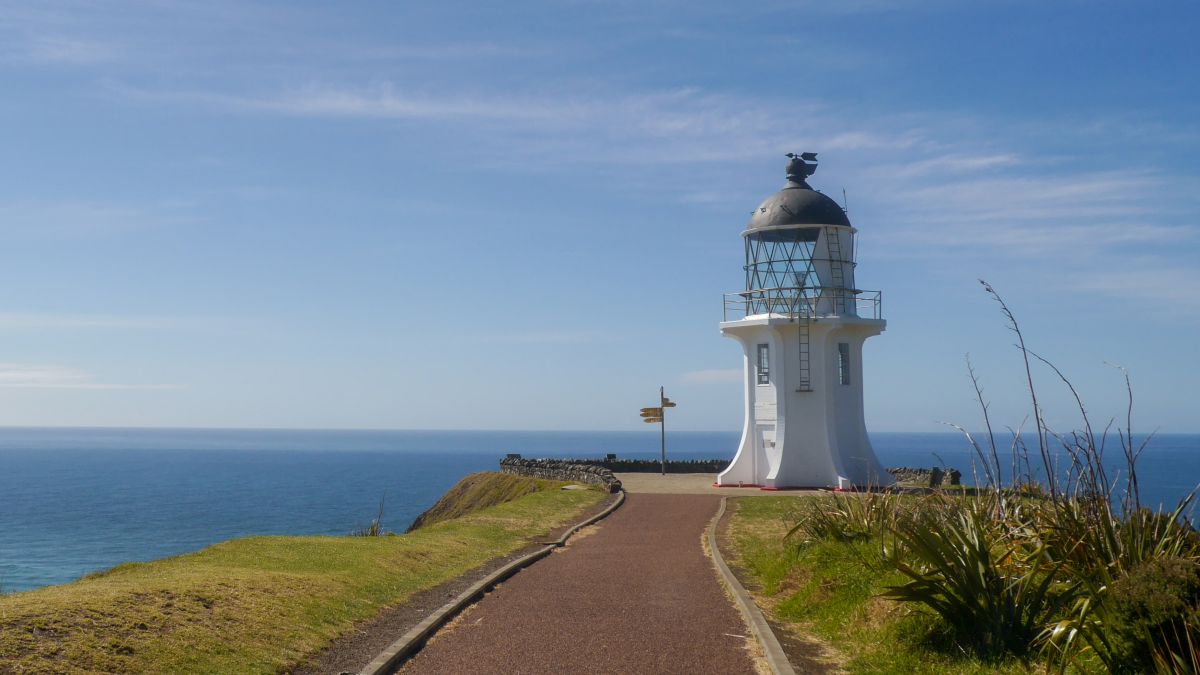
844,362
764,364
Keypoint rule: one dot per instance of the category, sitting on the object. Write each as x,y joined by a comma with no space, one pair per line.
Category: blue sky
523,215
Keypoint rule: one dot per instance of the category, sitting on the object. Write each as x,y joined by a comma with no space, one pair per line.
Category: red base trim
764,487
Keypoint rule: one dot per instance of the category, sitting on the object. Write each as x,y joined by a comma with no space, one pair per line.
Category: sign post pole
652,415
662,428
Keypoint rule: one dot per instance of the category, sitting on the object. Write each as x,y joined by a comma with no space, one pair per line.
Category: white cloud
39,376
716,376
1146,283
1064,213
940,180
1048,240
579,124
382,101
542,337
87,219
67,51
41,321
956,163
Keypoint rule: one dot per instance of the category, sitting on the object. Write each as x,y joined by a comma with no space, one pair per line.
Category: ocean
74,501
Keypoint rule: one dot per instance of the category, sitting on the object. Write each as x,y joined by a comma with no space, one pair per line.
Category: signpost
658,416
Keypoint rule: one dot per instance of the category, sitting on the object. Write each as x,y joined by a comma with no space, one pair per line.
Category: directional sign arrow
652,420
651,412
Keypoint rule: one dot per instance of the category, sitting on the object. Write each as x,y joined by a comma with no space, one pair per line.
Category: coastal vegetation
261,604
1058,568
479,491
832,589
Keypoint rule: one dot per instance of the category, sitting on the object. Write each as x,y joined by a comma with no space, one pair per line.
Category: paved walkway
693,484
634,595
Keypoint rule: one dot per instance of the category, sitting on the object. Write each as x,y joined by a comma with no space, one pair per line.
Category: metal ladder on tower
837,272
805,374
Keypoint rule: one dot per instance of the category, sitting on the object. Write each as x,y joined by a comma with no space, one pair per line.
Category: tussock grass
259,604
830,587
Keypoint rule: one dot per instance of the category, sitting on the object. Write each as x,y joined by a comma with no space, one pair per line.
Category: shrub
1153,614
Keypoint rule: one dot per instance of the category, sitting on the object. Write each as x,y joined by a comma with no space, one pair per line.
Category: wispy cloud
1169,289
1125,238
543,337
60,322
39,34
441,51
63,51
936,179
585,124
1049,239
88,219
955,163
1033,215
15,321
38,376
718,376
381,101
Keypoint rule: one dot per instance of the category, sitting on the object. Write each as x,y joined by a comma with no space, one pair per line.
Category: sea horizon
78,500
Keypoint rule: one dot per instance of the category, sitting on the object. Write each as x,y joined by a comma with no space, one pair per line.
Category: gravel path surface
353,651
693,484
635,594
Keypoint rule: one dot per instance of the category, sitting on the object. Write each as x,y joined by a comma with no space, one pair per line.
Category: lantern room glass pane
779,269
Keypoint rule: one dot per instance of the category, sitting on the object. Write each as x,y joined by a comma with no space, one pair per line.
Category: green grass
830,589
479,491
260,604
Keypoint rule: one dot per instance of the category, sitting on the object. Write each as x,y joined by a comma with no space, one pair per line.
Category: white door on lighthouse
766,445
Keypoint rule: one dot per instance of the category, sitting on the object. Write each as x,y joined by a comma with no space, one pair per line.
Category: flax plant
986,573
1031,567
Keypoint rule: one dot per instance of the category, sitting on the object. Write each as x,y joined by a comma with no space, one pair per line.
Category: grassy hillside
830,590
260,604
479,491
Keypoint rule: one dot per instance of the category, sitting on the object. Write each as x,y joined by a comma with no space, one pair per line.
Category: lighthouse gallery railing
807,302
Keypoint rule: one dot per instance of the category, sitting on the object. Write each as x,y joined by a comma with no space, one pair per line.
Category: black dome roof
798,204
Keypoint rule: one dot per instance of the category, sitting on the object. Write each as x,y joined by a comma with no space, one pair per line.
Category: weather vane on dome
799,168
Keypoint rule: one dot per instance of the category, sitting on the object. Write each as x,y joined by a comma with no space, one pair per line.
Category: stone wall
655,466
927,477
568,470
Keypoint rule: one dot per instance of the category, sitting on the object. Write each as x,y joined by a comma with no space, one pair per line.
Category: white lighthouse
802,323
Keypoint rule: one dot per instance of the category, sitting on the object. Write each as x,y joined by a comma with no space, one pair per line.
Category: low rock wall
655,466
554,469
931,477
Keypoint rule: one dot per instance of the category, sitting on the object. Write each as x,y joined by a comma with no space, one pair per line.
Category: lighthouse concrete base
803,405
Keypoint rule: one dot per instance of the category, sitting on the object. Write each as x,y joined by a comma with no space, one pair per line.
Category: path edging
410,642
773,652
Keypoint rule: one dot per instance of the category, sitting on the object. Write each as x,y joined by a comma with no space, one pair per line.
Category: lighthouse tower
802,323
